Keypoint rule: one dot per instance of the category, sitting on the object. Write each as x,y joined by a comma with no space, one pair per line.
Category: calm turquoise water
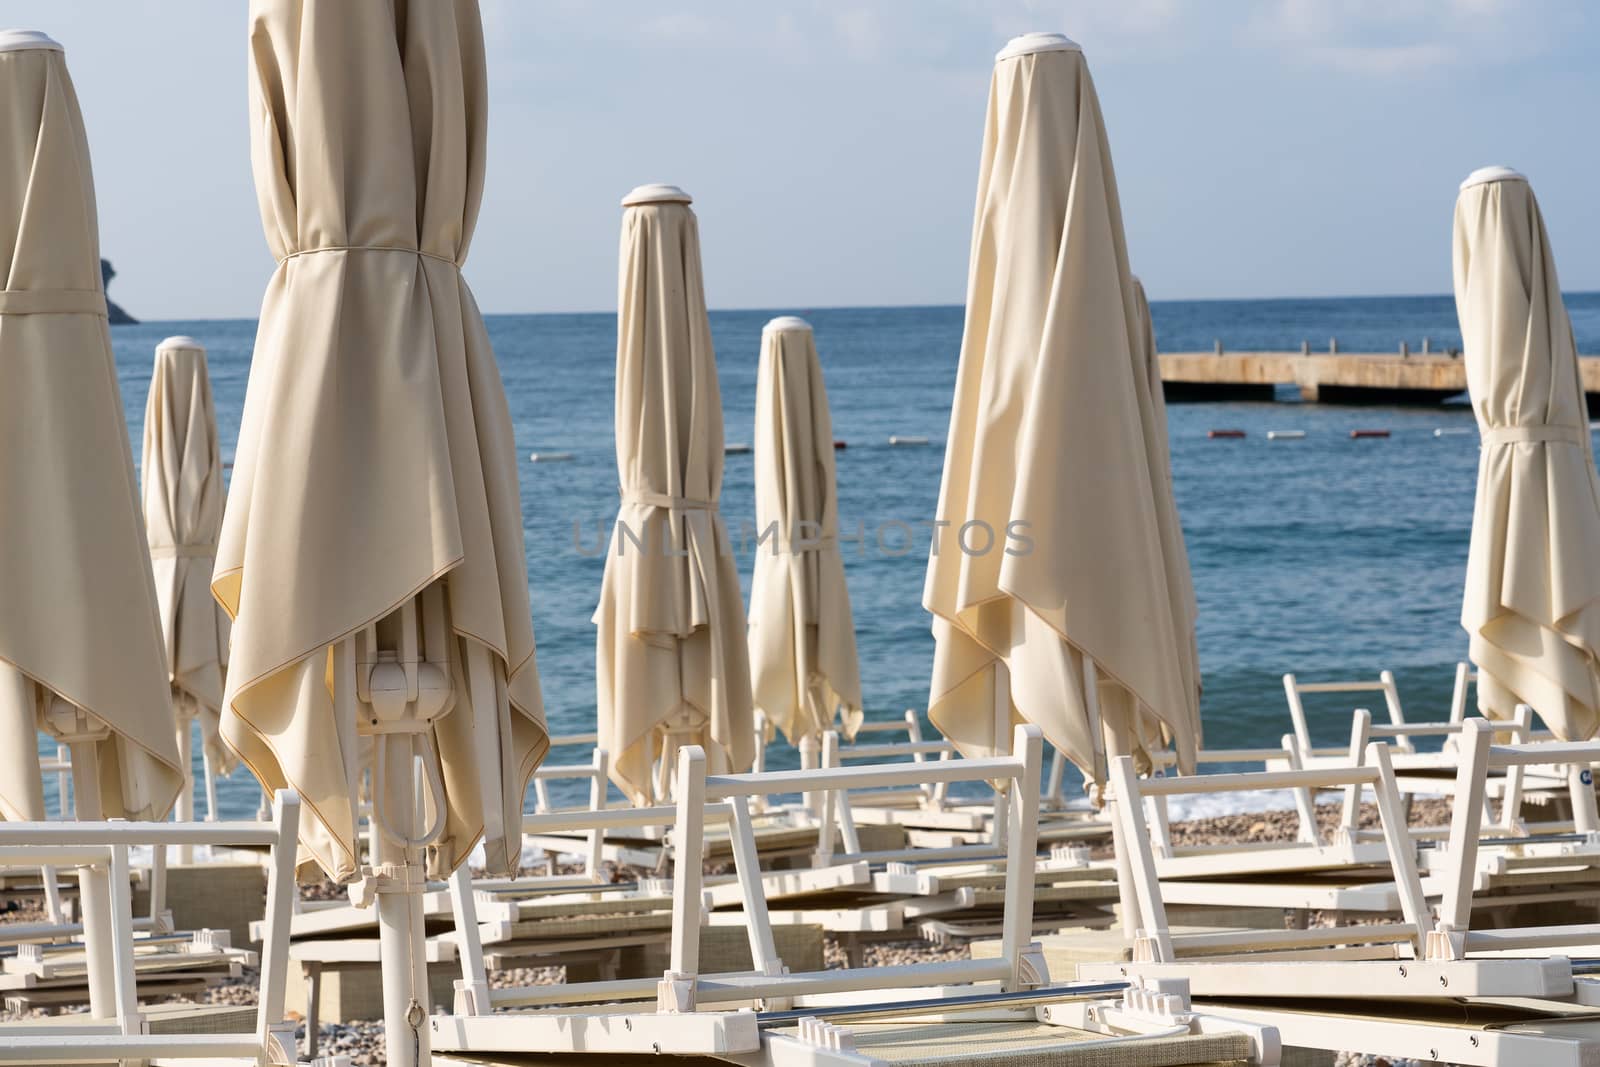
1326,556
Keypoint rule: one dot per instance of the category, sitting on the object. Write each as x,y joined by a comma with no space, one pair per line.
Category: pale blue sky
1262,147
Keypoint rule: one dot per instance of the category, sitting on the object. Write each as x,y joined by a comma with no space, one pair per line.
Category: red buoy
837,444
1369,433
1225,433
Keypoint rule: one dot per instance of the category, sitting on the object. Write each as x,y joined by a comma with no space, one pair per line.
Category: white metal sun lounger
1310,755
124,1038
1442,958
700,798
806,1018
1508,828
1399,731
1557,1027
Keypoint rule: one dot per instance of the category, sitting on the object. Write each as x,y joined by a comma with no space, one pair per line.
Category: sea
1327,556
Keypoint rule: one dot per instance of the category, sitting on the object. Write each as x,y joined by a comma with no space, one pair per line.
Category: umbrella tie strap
378,727
52,302
183,551
369,248
1524,435
801,545
646,499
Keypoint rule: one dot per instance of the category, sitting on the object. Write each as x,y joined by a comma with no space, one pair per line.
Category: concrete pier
1342,378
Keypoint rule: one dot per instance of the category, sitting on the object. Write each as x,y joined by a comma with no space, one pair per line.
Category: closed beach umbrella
371,553
1052,570
1532,603
802,639
80,640
182,489
670,659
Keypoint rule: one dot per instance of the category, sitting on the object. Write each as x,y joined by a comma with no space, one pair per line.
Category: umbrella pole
810,750
1052,794
396,877
1116,744
999,828
677,732
185,812
211,785
402,949
94,883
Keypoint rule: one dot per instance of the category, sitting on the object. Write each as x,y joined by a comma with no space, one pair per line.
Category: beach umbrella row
370,555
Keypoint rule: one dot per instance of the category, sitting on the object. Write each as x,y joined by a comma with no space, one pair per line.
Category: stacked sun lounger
44,965
122,965
1435,987
945,1012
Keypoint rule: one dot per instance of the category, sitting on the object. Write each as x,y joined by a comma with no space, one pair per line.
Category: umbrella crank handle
403,709
435,787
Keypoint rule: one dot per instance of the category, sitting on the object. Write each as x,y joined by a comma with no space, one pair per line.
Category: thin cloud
1385,61
1397,39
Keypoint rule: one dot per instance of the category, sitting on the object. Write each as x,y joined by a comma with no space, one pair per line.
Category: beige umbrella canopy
1116,701
1053,567
371,549
80,640
803,663
1532,603
182,486
670,657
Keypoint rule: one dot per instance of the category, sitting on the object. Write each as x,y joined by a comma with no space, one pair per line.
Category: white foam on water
531,856
141,855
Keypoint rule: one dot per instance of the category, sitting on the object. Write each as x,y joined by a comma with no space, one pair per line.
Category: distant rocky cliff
114,312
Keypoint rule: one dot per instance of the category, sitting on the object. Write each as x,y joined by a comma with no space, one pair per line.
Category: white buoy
901,439
1452,431
1285,435
549,457
736,450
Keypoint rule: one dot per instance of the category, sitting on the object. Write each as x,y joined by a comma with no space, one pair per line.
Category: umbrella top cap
1485,175
656,193
785,323
180,341
1033,43
26,40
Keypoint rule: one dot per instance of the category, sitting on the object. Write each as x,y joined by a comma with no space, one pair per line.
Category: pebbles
1266,826
515,977
361,1042
893,953
23,911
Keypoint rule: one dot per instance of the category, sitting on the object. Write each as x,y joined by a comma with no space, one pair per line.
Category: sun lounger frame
1441,966
107,844
1293,688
